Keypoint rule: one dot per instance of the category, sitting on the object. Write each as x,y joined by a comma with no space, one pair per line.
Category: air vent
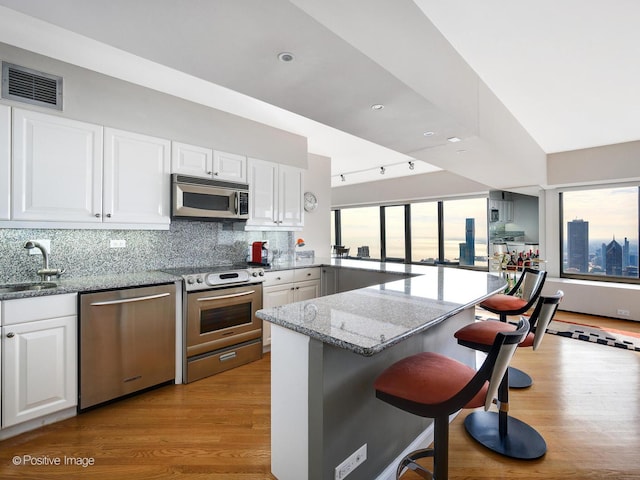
29,86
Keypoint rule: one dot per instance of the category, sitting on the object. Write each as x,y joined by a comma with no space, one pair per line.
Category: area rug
590,333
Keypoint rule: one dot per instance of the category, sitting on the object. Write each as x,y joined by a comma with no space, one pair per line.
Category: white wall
317,224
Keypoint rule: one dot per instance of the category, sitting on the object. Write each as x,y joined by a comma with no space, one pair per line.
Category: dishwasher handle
129,300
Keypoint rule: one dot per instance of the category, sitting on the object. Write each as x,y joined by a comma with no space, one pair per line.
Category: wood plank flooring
585,402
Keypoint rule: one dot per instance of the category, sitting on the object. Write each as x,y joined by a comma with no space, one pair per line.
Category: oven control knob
254,274
199,280
190,280
261,273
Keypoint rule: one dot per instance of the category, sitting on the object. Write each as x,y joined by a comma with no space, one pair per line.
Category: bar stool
517,301
507,435
431,385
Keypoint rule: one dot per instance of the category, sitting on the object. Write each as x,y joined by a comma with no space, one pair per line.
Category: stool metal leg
504,434
439,452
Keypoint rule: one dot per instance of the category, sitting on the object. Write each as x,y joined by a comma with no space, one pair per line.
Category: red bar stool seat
431,385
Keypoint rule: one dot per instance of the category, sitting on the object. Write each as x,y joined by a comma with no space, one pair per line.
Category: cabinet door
38,369
5,169
136,178
263,185
191,160
57,166
274,297
229,166
290,205
306,290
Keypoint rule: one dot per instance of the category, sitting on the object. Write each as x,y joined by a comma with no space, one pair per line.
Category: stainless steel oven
221,330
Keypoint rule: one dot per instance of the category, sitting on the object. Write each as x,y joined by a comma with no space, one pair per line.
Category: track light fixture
411,166
382,170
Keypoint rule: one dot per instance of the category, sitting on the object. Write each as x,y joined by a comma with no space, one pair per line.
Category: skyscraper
614,258
578,246
468,249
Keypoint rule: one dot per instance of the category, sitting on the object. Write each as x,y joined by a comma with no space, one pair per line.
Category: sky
610,212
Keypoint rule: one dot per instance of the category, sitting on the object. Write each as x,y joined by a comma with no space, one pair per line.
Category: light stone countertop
95,283
369,320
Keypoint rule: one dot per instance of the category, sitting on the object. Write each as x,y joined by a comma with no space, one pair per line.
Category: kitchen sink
25,287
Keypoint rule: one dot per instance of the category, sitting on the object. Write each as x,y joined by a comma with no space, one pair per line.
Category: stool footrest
521,440
409,462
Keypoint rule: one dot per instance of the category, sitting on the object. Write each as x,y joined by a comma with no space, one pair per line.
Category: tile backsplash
87,252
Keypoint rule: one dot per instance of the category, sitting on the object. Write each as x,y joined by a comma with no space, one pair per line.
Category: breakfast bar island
327,352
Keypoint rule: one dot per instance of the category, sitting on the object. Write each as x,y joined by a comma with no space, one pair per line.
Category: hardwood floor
585,402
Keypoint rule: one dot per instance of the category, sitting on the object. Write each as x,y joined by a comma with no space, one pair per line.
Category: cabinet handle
228,356
108,215
209,173
97,215
215,174
11,335
129,300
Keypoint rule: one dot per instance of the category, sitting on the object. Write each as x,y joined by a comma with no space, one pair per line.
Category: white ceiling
513,80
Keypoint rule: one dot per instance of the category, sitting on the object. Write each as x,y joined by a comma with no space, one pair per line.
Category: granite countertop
369,320
96,282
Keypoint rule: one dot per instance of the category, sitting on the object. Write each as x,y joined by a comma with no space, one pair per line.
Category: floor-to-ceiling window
465,231
424,232
359,229
446,231
394,233
600,232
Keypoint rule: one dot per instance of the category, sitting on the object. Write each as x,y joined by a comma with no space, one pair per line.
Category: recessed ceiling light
429,134
285,57
377,106
453,139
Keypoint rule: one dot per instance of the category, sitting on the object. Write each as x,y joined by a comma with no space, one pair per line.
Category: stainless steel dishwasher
127,342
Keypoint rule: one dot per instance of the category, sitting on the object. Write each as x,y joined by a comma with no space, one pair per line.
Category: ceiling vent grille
30,86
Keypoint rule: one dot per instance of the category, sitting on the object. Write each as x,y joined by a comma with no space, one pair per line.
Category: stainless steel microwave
204,199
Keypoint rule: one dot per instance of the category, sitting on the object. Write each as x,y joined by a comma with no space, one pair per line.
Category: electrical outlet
350,464
623,312
117,243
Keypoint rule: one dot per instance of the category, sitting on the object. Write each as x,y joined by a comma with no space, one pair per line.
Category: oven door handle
220,297
129,300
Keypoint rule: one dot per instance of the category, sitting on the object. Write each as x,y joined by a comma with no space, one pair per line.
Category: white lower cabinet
288,286
39,357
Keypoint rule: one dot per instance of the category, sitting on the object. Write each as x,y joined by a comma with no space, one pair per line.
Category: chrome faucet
45,272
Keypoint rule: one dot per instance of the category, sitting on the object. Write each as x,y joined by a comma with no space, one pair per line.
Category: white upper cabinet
229,166
68,173
191,160
276,196
207,163
136,178
263,196
57,168
290,201
5,162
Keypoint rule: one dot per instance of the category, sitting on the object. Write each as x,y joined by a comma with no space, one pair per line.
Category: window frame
561,235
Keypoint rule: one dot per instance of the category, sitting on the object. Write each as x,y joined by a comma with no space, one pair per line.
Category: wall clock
310,201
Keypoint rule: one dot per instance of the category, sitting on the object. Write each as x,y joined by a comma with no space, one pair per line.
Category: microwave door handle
236,202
